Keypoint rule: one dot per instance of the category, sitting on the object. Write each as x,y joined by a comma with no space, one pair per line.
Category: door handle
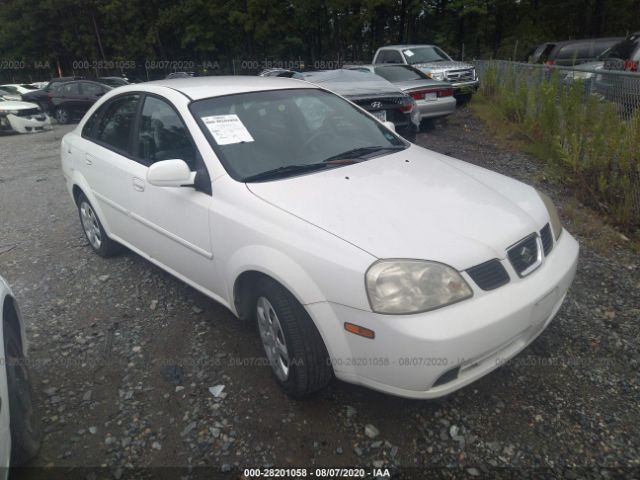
138,184
88,159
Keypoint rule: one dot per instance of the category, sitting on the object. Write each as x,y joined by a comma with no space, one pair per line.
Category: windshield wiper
362,152
285,171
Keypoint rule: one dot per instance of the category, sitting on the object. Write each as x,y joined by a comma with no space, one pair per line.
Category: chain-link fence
585,119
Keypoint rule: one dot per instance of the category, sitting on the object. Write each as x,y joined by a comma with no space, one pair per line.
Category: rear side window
625,49
115,124
162,134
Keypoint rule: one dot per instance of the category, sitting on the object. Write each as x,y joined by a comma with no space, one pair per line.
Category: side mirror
170,173
390,125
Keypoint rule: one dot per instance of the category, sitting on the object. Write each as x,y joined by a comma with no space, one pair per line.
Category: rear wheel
292,343
26,430
62,115
94,231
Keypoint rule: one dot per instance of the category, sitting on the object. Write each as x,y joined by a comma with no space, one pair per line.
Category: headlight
436,75
413,286
10,112
556,226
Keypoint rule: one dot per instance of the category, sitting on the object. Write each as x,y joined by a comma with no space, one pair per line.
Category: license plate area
380,115
430,97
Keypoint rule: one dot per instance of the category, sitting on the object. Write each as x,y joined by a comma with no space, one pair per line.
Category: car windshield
424,55
274,134
399,73
28,87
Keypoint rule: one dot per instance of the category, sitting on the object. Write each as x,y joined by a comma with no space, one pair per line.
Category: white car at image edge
22,117
358,254
20,429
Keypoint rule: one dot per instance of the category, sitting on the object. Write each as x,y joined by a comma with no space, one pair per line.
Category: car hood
15,105
414,204
441,66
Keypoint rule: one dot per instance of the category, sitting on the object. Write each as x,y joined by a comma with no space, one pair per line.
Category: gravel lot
124,354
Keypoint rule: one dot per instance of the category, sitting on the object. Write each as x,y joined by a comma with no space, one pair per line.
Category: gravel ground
124,355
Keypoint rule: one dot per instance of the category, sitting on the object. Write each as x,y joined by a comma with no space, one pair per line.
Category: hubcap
90,225
62,116
273,338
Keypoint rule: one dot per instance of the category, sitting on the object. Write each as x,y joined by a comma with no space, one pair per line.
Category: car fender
277,265
78,180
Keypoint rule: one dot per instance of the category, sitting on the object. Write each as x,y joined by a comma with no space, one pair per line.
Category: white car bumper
411,354
29,124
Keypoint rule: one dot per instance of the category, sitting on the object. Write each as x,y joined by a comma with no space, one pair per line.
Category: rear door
91,92
69,97
104,160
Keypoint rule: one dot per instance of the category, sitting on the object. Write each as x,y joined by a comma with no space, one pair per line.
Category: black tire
309,367
62,115
106,247
24,421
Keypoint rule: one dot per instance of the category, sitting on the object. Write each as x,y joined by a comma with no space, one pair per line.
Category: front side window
114,127
91,89
289,131
162,134
70,89
424,55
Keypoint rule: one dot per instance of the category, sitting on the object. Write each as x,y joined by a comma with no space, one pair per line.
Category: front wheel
26,430
291,341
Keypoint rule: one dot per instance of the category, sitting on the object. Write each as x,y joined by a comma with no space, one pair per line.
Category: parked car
433,61
624,55
8,96
113,81
181,75
434,98
22,117
41,97
20,428
18,89
294,208
571,52
372,93
71,100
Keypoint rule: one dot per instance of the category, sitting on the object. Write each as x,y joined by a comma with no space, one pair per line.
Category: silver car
434,62
434,98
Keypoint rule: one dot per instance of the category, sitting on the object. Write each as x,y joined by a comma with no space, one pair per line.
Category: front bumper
436,108
462,88
30,124
411,354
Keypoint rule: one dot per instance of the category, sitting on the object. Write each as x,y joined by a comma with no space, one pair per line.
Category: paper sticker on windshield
227,129
408,53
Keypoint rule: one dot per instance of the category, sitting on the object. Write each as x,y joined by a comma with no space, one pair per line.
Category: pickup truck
433,61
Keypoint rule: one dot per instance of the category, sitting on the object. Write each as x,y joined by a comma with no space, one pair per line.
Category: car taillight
550,62
406,108
440,92
631,65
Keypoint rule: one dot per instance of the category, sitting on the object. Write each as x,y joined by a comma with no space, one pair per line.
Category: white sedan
359,254
20,429
22,117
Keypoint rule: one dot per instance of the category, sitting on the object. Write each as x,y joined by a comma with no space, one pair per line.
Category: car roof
412,45
197,88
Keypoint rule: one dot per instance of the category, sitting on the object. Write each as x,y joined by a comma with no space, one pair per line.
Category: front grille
547,239
489,275
465,75
27,112
525,255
